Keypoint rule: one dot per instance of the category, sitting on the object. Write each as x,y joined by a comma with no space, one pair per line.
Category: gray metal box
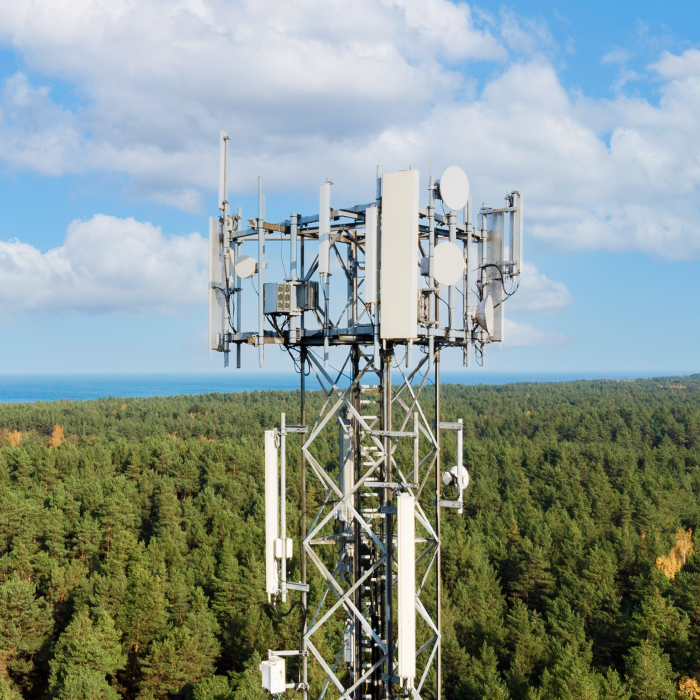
278,298
307,296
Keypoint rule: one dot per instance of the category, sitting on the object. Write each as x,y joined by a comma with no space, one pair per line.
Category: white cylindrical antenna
406,584
416,447
324,228
324,252
293,273
283,504
293,247
432,304
238,302
261,274
467,290
223,172
271,514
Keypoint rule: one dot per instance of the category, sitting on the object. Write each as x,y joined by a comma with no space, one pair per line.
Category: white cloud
538,294
523,334
106,265
309,89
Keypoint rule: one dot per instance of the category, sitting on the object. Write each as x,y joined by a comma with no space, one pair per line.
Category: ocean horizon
29,388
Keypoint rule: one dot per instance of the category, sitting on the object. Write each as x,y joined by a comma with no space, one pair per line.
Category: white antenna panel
495,254
516,232
347,467
324,229
453,188
406,583
271,514
217,299
371,229
398,292
448,263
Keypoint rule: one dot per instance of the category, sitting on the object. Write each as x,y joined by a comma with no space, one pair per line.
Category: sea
26,388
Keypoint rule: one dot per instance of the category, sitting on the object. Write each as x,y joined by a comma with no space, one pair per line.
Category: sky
110,112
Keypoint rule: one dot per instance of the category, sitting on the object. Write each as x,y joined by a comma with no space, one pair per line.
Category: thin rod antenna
261,274
430,153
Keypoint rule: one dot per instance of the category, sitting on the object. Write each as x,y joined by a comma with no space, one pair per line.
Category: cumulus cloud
538,294
523,334
309,89
106,265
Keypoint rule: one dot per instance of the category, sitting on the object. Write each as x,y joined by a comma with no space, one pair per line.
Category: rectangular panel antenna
371,231
324,229
217,299
516,228
398,292
347,464
271,514
495,253
406,582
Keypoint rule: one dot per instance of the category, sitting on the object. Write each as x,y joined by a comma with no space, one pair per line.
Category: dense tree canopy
131,538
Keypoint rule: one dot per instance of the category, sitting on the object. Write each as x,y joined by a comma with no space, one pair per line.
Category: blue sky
109,119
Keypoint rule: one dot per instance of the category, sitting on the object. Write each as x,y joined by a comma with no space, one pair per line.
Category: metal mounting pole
388,518
238,302
283,502
452,298
438,561
293,274
432,306
261,275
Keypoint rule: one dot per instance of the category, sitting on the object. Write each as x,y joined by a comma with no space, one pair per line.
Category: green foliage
131,557
84,656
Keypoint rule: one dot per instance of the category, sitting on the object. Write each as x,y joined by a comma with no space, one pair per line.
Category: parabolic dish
449,263
453,188
485,315
245,266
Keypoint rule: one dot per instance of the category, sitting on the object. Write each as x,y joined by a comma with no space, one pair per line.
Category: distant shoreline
30,388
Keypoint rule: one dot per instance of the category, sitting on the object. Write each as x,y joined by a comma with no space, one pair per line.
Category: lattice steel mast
375,631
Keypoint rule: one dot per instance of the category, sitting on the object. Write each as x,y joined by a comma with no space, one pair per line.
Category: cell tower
390,286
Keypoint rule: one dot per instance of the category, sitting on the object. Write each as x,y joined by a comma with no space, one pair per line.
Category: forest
131,545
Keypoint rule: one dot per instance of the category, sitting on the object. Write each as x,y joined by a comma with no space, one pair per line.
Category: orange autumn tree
676,558
56,436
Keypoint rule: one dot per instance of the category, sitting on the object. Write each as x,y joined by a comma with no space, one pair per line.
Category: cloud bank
106,265
308,89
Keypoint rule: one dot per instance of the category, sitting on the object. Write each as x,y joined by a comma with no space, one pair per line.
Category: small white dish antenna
458,477
245,266
484,314
449,263
453,188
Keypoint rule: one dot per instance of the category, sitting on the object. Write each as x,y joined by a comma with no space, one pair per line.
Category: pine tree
212,688
649,673
25,625
483,679
144,615
247,683
84,656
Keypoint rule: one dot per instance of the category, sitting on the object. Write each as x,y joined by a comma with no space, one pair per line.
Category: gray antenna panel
217,298
494,257
516,232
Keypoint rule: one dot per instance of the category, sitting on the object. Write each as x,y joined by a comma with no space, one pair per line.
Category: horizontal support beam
451,426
